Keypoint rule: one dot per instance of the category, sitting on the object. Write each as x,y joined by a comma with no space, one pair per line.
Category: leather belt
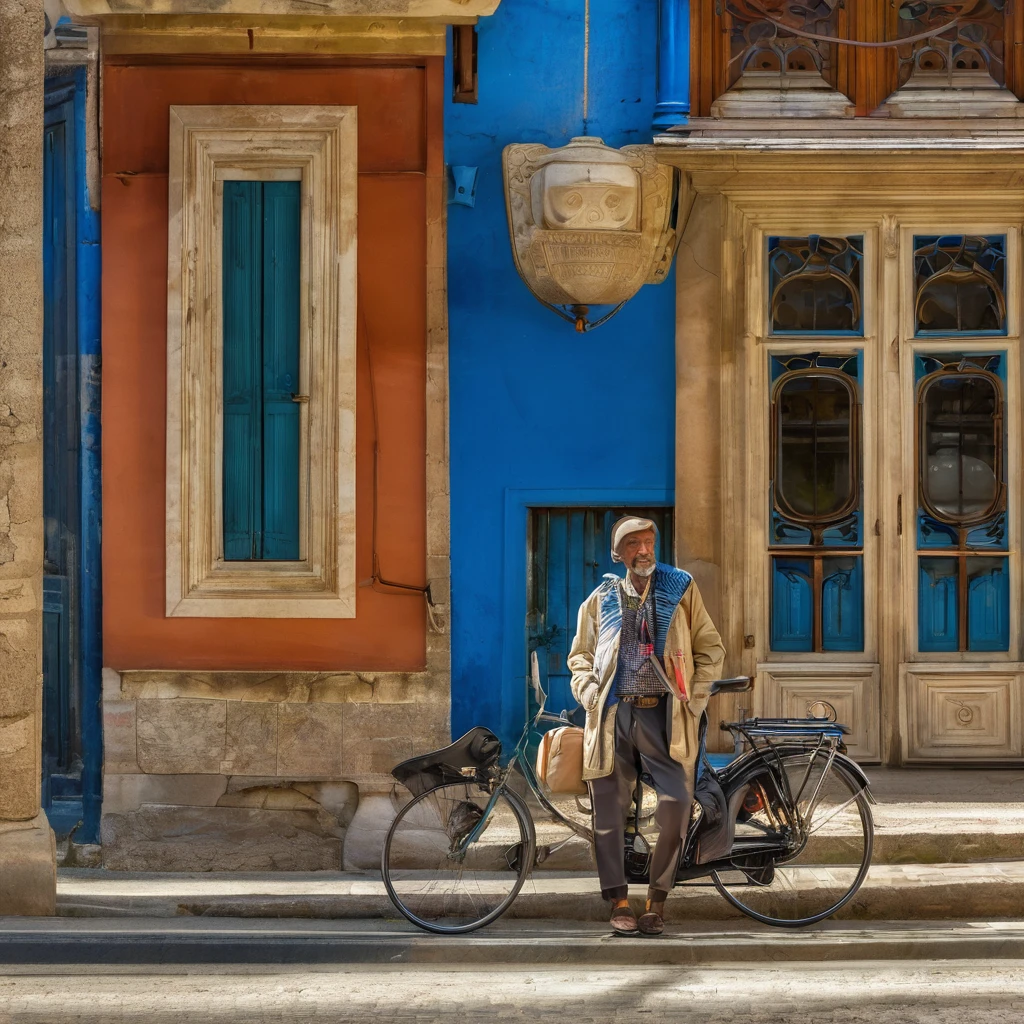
640,701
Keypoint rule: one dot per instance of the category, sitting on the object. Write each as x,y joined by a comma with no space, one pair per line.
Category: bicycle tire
454,894
775,891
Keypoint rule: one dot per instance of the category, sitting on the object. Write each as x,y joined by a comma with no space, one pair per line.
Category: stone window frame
207,145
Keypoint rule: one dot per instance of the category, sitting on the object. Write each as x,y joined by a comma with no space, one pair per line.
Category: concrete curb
282,942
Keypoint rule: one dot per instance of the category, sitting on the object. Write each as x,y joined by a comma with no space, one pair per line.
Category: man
644,656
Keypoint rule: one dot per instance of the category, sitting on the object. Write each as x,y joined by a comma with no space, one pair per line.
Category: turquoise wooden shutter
261,370
281,202
243,445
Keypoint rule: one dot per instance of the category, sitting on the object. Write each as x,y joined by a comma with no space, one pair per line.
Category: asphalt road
912,992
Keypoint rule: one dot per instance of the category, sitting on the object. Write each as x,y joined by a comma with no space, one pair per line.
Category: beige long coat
691,643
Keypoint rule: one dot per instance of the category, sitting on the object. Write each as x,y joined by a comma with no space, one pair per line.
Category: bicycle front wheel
450,865
803,843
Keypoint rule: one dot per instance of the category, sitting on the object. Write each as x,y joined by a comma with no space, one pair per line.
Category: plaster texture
212,761
535,406
27,852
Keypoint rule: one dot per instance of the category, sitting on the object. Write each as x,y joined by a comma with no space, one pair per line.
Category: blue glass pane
926,363
991,535
792,604
842,604
850,364
846,534
933,534
960,283
988,604
785,532
937,604
814,285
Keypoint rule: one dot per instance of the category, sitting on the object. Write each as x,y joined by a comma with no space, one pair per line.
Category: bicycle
784,831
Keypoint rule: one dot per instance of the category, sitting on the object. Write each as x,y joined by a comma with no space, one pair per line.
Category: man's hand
590,695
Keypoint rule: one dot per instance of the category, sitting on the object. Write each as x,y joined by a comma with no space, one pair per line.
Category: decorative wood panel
750,196
868,75
790,691
962,715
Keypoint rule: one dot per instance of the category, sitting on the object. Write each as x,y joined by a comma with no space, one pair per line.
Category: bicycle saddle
737,684
478,748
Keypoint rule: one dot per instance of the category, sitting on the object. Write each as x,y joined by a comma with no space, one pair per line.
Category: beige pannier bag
560,761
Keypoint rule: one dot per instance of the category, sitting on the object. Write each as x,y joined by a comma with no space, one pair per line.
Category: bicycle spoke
839,810
818,861
445,860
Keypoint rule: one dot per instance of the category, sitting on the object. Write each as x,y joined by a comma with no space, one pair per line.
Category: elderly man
644,656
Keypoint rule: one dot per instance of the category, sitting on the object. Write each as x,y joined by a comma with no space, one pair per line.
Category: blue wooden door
569,553
261,370
62,701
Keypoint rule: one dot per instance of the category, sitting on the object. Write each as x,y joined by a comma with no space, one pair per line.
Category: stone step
904,834
202,940
890,893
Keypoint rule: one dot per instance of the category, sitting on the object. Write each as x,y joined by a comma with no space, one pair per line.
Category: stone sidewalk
908,892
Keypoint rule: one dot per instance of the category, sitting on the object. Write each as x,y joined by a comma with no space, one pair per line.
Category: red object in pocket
677,665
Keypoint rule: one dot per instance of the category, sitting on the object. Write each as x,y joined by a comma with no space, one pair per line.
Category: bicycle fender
852,768
744,769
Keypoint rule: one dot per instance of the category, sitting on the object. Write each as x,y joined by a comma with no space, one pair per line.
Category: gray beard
644,571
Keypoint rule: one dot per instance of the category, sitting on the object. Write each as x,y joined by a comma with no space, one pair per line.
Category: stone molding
317,145
255,36
780,94
448,11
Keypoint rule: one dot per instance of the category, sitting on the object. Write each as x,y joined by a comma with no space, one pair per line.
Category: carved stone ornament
589,224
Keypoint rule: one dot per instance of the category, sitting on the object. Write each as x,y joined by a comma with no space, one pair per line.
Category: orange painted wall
400,160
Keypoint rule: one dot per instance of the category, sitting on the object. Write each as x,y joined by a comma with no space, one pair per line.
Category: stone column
27,854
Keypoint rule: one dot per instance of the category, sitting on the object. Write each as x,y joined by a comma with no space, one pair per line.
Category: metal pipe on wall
672,97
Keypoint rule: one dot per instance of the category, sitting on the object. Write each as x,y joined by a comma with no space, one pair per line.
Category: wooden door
62,709
961,676
570,550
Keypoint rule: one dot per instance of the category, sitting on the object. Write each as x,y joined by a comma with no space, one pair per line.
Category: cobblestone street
879,993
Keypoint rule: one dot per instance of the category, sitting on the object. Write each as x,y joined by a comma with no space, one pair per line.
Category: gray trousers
640,734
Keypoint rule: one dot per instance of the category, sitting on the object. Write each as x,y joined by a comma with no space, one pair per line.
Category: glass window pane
960,438
960,283
937,605
814,479
842,604
792,604
814,285
988,604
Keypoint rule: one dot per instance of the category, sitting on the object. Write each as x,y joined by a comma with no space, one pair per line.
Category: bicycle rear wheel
799,857
440,881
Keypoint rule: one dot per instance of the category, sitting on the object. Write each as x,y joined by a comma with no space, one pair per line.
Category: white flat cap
627,525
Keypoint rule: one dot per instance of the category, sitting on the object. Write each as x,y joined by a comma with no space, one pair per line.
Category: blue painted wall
541,415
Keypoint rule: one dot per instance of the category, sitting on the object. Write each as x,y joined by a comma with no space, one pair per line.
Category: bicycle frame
770,790
810,738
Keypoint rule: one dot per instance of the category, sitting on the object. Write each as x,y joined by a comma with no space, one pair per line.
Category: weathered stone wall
27,859
257,771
